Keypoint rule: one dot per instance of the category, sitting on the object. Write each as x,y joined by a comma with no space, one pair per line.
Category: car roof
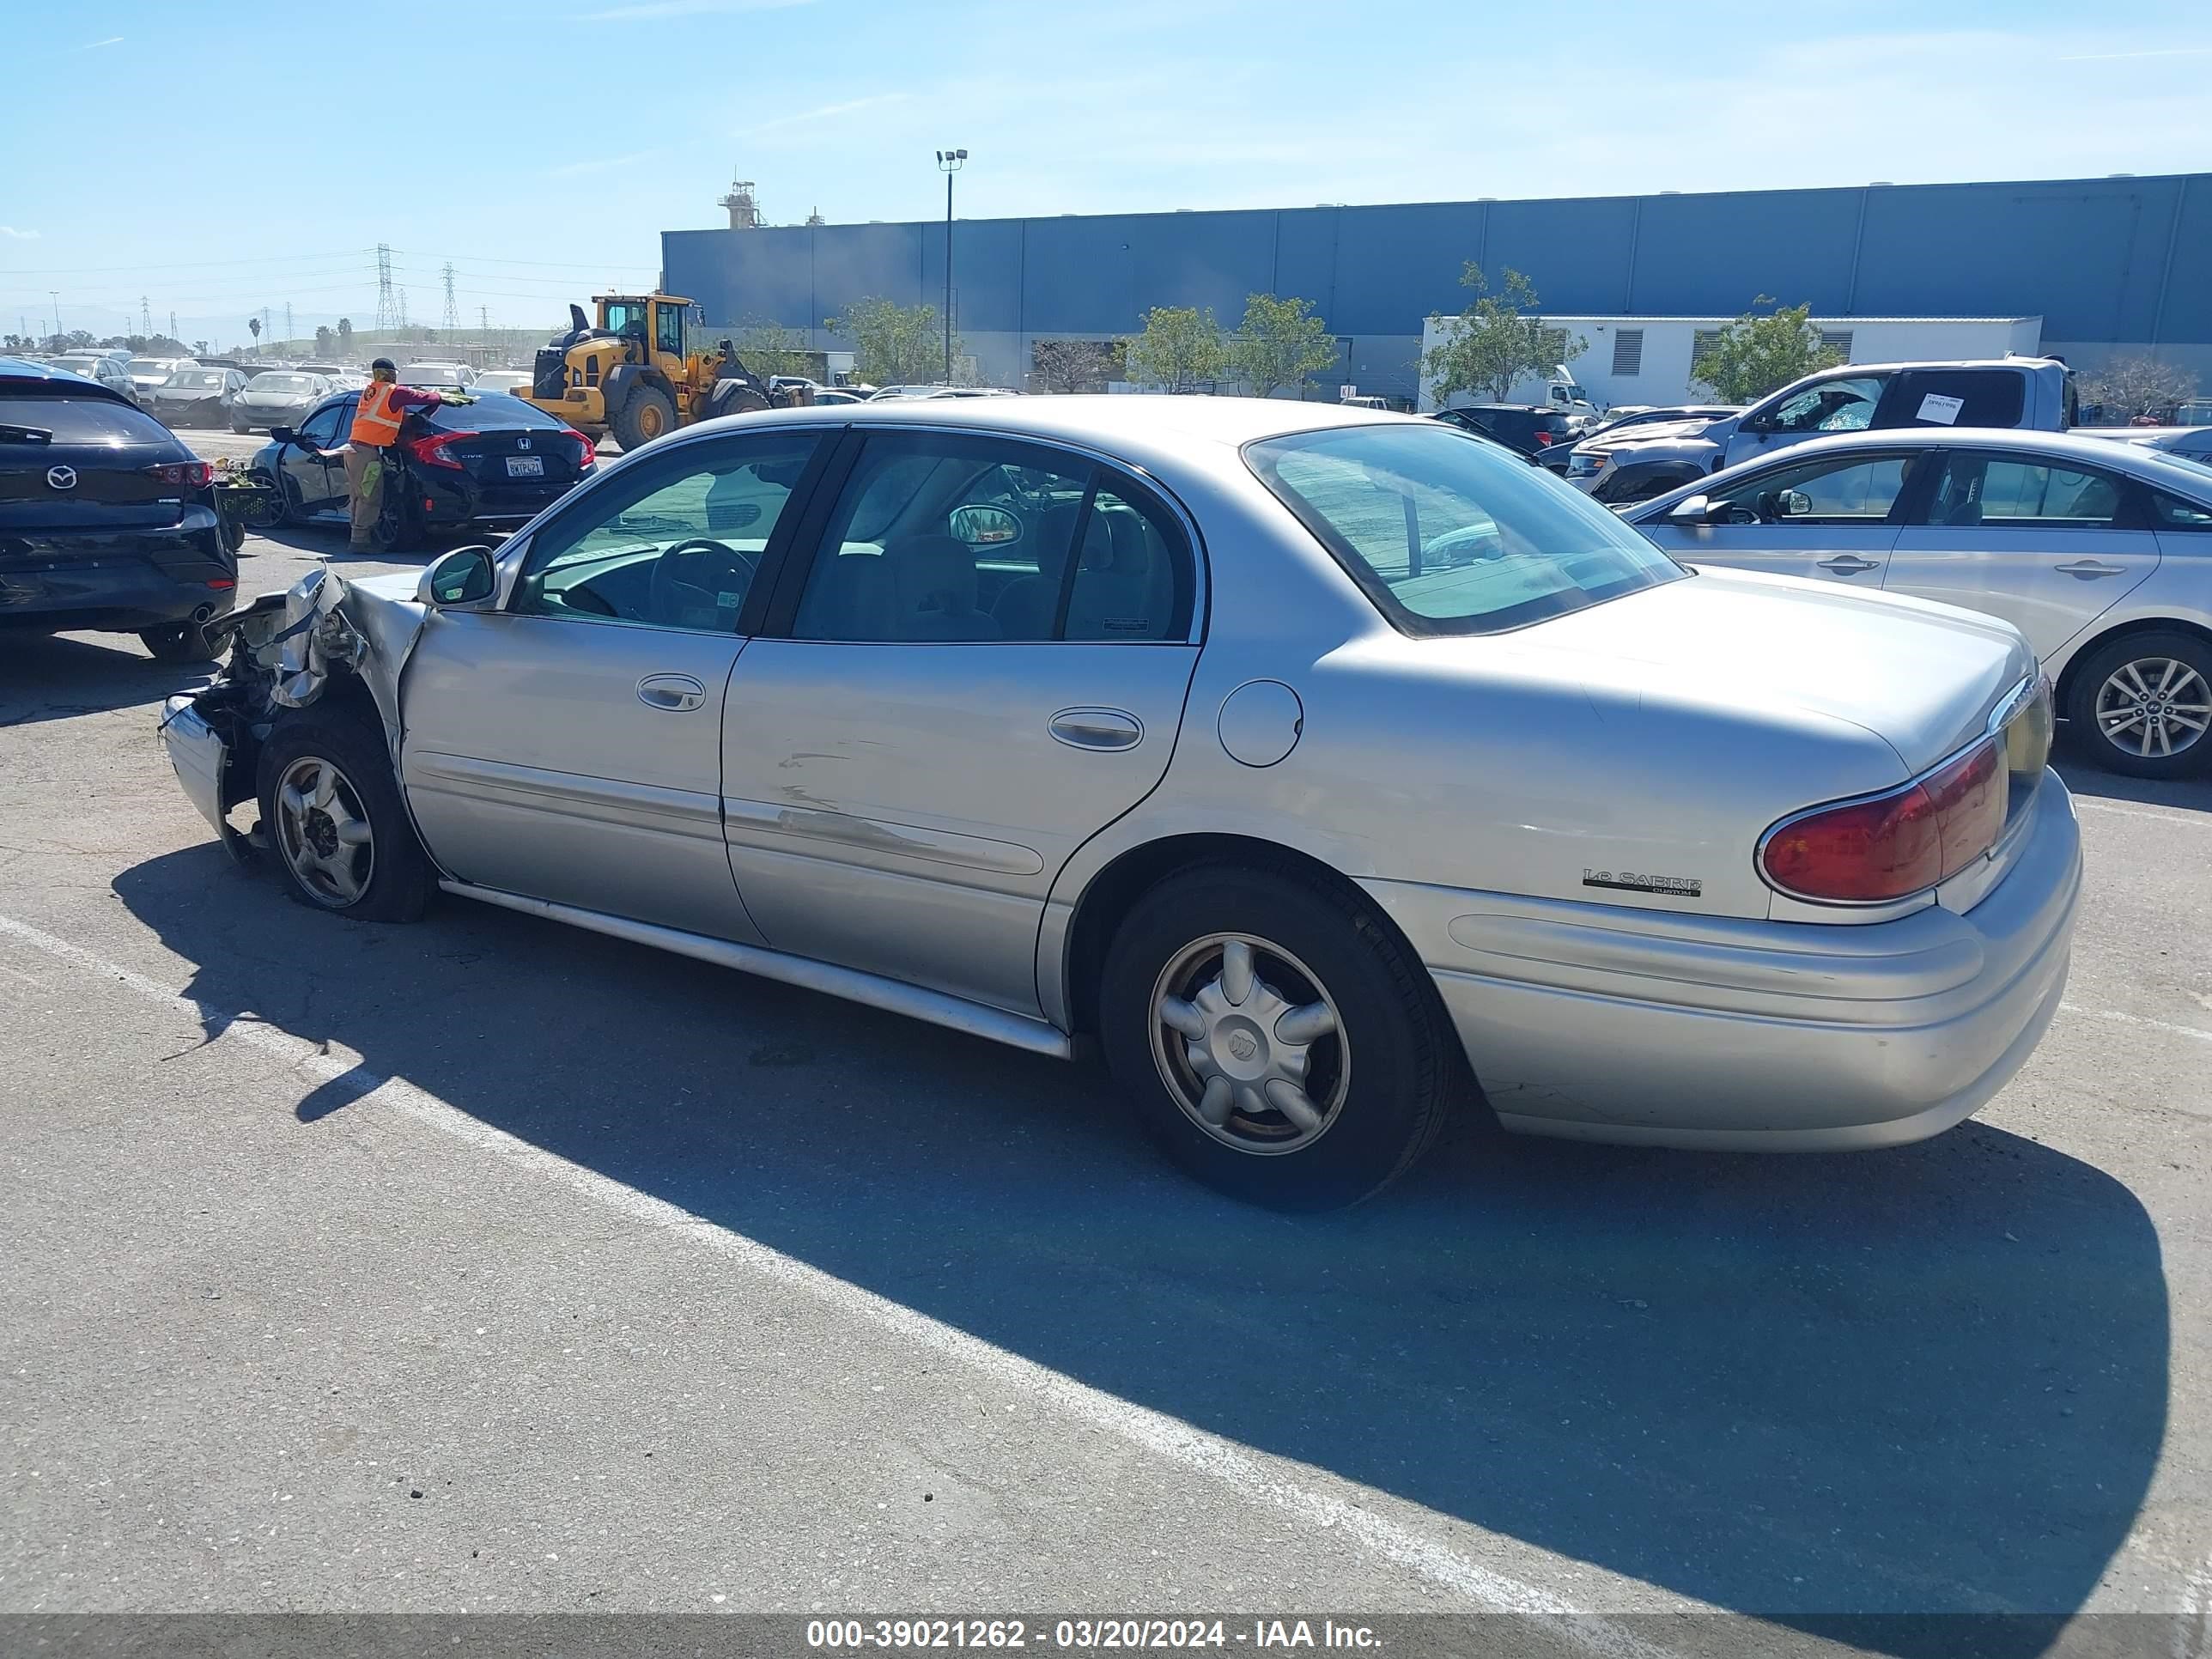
1099,417
21,368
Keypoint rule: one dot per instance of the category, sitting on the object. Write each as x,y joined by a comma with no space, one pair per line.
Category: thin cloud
825,113
15,235
2115,56
111,40
605,163
683,8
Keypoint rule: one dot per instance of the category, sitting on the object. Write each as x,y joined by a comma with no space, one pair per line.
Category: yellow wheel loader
638,373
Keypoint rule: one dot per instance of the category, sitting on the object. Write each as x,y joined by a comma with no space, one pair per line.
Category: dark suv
108,521
1527,427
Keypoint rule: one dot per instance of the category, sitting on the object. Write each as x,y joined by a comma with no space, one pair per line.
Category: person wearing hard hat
384,404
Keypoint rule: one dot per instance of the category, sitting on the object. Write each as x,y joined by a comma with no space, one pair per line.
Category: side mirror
462,580
984,526
282,434
1691,509
1792,504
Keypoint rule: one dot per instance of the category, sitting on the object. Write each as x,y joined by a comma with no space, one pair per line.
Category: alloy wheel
2154,707
1249,1043
323,830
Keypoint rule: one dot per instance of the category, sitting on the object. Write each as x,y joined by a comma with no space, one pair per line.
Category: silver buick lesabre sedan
1328,769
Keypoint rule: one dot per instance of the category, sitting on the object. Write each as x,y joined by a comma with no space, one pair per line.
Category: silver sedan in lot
2099,552
1328,768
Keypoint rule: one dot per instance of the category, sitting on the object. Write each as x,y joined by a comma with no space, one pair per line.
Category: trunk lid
1923,678
105,484
503,458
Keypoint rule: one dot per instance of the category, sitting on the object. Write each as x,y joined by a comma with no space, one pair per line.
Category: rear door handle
1850,564
2089,569
1097,728
675,692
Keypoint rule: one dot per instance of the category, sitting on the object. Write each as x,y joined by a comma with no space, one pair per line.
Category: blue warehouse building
2111,266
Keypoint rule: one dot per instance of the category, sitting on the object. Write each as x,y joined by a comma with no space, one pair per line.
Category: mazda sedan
1330,770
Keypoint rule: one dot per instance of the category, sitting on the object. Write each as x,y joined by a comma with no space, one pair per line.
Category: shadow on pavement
2189,794
45,677
1929,1381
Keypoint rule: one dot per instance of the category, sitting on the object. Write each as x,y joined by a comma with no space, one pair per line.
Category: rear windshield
428,374
281,383
73,420
1449,535
491,412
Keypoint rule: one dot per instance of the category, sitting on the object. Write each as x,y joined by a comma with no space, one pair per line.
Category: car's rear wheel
1276,1036
647,413
335,822
2142,705
180,642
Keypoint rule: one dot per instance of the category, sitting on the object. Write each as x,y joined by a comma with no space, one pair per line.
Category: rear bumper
119,579
1602,1023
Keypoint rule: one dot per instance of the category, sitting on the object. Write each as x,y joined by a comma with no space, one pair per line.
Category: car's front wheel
335,822
1276,1036
2142,705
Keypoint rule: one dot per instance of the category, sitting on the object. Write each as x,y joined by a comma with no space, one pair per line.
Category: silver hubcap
323,831
1249,1043
2153,706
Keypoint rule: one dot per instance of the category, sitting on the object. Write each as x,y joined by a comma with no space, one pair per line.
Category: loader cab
650,325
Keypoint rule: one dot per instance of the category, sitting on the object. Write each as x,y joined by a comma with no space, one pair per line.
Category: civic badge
62,477
522,443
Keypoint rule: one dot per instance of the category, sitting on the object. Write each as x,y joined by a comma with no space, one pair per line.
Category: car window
1995,491
2171,513
1841,406
490,410
93,419
1844,491
956,538
321,428
1449,535
675,545
670,330
1955,397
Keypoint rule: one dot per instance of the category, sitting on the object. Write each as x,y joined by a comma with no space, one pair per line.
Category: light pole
57,295
948,161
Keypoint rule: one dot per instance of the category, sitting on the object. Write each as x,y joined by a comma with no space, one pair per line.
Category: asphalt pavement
487,1265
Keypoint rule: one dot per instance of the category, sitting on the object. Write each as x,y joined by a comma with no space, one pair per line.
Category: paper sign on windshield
1944,410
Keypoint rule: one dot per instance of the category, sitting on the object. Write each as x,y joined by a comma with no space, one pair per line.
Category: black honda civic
108,521
488,465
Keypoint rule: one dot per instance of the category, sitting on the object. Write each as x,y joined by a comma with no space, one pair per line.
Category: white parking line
2119,1018
2152,813
1168,1438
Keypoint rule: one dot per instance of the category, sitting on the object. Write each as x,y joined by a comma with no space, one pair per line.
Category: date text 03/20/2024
1081,1635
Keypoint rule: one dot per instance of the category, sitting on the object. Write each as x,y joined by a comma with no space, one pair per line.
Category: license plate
525,466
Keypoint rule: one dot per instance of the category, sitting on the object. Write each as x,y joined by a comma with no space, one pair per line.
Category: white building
1646,360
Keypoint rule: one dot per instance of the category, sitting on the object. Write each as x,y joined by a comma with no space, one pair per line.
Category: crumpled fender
330,624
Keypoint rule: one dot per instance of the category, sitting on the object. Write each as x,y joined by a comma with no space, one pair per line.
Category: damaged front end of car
324,641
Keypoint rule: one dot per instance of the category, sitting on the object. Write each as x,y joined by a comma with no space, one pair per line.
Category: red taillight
182,475
1543,440
590,448
1898,843
223,582
432,451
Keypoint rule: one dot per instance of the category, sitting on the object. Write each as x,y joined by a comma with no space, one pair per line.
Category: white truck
2032,393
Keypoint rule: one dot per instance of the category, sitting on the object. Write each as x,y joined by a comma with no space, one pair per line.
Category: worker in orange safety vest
384,404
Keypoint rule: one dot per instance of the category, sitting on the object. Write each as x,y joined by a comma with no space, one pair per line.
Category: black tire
396,880
242,431
180,642
1385,1078
647,413
2150,654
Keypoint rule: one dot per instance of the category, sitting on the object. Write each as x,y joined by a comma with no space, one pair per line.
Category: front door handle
1097,728
2089,569
675,692
1850,564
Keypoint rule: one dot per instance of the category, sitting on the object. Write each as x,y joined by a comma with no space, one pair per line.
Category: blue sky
219,157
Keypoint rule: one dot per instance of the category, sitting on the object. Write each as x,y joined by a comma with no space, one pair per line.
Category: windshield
281,383
149,366
429,374
196,377
1450,535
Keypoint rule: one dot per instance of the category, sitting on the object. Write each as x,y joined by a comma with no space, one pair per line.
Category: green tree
894,344
1180,349
345,336
768,347
323,338
1075,365
1756,355
1497,341
2129,386
1278,344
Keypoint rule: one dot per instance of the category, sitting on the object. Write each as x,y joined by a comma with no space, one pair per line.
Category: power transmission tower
288,320
388,310
451,321
173,325
400,296
145,317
